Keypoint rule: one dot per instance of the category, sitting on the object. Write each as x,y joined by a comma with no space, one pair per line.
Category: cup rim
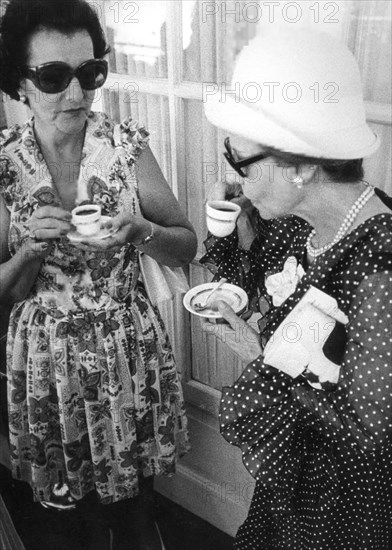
215,213
232,205
86,218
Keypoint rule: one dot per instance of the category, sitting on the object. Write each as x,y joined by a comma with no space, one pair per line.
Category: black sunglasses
238,165
55,77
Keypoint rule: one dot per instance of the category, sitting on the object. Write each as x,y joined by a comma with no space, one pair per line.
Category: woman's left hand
239,335
126,228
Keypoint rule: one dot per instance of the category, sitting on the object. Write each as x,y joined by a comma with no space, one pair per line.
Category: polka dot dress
322,459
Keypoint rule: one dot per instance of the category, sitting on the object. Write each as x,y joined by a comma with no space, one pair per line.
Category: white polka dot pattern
322,459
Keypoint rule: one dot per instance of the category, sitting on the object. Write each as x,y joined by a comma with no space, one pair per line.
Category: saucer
103,233
233,295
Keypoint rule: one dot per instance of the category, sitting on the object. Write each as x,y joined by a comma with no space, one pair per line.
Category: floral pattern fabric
94,395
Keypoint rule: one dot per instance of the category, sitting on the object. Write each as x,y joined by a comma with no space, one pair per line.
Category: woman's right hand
49,223
237,334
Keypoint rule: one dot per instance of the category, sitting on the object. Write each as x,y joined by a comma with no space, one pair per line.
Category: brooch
282,285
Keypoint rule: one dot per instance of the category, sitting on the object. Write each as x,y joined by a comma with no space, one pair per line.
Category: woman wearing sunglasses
95,403
311,411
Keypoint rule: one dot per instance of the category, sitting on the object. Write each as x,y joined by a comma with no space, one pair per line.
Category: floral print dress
94,396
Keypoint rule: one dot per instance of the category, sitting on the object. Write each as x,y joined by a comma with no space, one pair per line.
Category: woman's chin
265,212
73,124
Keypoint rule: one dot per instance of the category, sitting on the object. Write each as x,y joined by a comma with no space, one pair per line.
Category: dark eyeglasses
238,165
55,77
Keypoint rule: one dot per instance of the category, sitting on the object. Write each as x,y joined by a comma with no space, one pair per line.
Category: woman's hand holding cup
126,228
46,224
49,223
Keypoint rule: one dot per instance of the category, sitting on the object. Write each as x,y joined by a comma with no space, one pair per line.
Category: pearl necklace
346,224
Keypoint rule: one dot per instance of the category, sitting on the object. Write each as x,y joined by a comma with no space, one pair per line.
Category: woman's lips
74,111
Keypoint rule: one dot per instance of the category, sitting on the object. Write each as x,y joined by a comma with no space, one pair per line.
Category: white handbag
297,344
161,282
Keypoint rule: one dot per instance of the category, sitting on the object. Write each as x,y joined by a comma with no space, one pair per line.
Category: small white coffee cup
222,217
87,219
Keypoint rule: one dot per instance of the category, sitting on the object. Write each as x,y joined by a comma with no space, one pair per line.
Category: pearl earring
299,182
23,99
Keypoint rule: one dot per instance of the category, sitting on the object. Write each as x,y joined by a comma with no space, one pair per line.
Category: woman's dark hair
343,171
24,17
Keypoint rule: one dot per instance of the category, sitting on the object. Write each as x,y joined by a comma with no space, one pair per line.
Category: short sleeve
9,176
134,139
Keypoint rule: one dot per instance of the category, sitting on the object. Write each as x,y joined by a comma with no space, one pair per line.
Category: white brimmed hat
298,91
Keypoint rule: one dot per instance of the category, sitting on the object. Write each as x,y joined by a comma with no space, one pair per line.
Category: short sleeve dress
322,458
94,395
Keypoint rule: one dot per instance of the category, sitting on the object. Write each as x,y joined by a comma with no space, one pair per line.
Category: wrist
147,237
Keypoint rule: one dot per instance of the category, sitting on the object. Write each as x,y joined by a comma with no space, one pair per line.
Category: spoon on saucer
202,307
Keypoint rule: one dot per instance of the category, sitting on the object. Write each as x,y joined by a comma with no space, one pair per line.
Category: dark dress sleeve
246,268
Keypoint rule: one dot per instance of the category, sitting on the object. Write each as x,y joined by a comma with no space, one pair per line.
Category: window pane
212,363
213,34
201,163
199,61
137,35
150,110
207,171
369,38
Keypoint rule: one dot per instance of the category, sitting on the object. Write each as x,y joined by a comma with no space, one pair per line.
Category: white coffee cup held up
87,219
222,217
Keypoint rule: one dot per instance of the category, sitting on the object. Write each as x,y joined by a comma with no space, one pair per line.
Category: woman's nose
74,91
231,177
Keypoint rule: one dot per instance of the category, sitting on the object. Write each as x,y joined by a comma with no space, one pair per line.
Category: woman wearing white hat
312,416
